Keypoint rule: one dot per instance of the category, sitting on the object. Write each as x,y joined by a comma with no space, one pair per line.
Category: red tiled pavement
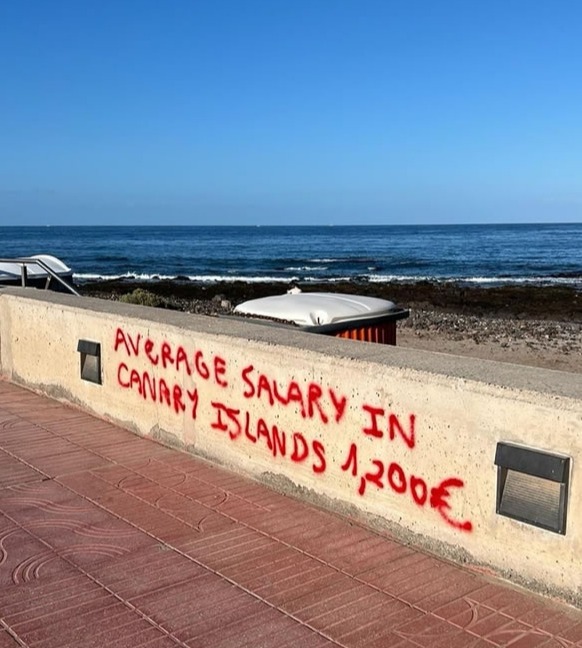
107,539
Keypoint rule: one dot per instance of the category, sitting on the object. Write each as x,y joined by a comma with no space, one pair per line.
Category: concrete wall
405,439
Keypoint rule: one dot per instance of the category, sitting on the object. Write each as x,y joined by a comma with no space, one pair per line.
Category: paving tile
427,630
533,640
382,630
340,589
46,413
573,633
244,630
133,544
89,486
67,603
266,564
289,528
395,573
192,627
286,591
238,561
491,625
130,633
14,471
149,569
454,639
197,490
193,514
515,631
313,640
44,444
103,605
390,640
61,463
241,511
195,611
7,641
47,494
24,559
301,574
163,641
426,584
338,621
231,557
76,627
270,633
18,434
459,611
459,584
42,593
202,630
264,572
161,473
370,553
550,618
70,525
133,450
200,542
183,461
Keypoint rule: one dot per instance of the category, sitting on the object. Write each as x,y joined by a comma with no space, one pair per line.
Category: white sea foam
371,278
116,277
131,276
566,281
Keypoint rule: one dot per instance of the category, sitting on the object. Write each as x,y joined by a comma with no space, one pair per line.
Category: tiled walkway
109,540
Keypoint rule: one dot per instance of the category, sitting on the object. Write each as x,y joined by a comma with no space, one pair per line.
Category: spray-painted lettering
251,409
391,475
191,362
238,423
157,390
311,400
381,423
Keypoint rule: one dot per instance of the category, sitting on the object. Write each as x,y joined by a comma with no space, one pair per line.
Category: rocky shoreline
532,325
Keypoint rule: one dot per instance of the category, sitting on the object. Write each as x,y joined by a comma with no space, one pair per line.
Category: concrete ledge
405,439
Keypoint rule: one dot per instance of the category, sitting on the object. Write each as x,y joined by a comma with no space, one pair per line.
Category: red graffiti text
165,355
381,423
391,475
238,424
311,400
158,390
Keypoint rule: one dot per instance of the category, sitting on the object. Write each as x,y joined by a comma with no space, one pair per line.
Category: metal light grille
532,486
90,355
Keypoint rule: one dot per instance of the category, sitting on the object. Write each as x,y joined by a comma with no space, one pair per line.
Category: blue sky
290,111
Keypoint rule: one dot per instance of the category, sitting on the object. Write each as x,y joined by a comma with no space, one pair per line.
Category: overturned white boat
37,271
356,317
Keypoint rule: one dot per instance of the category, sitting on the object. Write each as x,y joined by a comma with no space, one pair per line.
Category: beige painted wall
381,430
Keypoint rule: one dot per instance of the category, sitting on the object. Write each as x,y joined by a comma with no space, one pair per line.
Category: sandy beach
552,344
531,325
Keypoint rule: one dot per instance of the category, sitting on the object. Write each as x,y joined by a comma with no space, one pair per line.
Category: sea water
543,254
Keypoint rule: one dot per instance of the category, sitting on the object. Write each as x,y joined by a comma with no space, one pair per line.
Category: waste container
356,317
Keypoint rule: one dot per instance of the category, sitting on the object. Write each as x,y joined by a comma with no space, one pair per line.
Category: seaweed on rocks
515,301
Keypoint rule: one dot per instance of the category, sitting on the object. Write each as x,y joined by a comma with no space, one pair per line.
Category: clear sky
290,111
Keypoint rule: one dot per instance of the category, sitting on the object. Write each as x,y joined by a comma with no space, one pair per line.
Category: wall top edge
504,375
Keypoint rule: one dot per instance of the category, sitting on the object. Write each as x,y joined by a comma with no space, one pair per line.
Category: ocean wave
117,277
478,281
131,276
575,281
557,281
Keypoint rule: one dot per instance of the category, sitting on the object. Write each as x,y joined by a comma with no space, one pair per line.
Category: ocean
541,254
